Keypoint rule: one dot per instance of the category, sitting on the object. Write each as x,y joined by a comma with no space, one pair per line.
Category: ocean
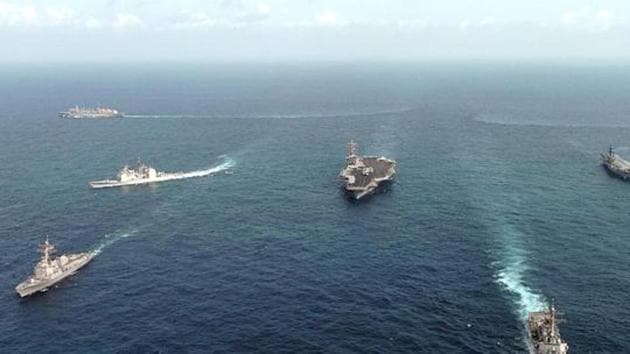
499,207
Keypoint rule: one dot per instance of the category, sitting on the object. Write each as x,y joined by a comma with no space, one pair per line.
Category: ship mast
352,148
47,249
352,152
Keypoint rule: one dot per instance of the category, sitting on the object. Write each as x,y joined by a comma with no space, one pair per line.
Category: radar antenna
352,153
46,248
352,148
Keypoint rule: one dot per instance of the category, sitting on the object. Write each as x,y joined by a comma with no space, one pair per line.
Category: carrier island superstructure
544,336
363,174
91,113
49,271
616,165
143,174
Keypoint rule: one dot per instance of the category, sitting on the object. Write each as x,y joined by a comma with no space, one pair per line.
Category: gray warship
544,336
49,271
91,113
143,174
363,174
616,165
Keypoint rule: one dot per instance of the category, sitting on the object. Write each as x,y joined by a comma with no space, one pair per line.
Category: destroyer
87,113
616,165
50,271
143,174
363,174
543,332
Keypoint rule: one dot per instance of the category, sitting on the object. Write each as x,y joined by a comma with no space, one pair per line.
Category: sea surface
499,207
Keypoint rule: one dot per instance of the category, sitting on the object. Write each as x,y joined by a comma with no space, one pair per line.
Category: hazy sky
267,30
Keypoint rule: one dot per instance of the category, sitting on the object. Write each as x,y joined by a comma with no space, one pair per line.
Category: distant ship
543,332
616,165
50,271
363,174
143,174
91,113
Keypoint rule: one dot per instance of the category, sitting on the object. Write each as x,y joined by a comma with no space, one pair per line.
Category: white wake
280,116
227,164
164,116
110,239
512,268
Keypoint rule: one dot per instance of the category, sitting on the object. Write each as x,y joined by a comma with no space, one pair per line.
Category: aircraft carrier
543,332
49,271
91,113
363,174
616,165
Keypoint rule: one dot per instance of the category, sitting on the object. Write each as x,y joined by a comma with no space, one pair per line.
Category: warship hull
31,287
89,116
537,347
615,165
377,187
544,337
373,173
616,171
112,183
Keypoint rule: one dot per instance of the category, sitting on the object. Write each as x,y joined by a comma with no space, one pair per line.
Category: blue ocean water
499,206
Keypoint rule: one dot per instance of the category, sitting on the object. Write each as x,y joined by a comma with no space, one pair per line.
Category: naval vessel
143,174
91,113
363,174
50,271
544,336
616,165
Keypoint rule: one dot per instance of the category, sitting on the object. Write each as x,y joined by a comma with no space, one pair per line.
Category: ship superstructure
143,174
544,336
91,113
616,165
50,271
363,174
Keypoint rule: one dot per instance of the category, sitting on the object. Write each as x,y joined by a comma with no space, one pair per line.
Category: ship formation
616,165
143,174
49,271
91,113
363,174
544,336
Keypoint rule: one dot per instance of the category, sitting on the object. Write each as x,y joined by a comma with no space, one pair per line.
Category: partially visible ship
363,174
50,271
542,327
143,174
91,113
616,165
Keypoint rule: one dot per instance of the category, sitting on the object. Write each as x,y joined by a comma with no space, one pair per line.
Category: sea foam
510,273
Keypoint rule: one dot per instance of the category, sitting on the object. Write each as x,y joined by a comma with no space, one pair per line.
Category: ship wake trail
110,239
164,116
510,274
227,164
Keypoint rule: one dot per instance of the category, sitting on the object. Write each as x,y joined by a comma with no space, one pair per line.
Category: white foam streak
278,116
202,173
110,240
113,238
162,116
511,278
510,275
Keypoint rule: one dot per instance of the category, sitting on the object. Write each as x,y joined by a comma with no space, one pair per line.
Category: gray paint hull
26,289
616,172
